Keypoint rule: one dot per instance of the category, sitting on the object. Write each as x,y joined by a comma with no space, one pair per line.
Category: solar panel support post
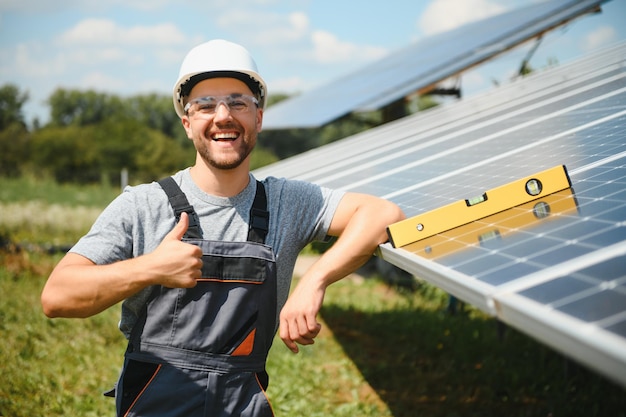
524,69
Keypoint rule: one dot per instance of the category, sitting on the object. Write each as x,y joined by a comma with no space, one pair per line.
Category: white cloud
265,28
170,56
145,5
299,21
327,48
287,85
444,15
27,6
87,57
289,38
39,6
32,60
602,36
107,32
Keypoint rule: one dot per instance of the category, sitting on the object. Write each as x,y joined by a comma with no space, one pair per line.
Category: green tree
157,112
100,151
261,157
82,108
14,149
11,102
115,143
100,134
65,153
345,127
289,142
160,155
275,99
14,136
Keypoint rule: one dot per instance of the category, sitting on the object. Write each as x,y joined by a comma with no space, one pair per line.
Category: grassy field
384,350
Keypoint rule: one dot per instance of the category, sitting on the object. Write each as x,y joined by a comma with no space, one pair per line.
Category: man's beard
223,163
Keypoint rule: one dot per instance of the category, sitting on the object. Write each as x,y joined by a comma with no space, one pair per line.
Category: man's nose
222,111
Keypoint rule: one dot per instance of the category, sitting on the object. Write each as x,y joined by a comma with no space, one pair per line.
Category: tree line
92,136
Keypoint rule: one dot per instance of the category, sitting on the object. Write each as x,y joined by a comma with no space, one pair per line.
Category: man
203,261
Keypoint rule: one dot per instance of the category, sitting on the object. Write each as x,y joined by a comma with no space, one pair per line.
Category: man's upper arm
72,258
348,206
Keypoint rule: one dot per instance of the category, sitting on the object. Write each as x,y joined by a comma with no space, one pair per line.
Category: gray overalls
202,351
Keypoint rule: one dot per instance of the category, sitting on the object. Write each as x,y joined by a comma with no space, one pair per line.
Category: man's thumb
181,227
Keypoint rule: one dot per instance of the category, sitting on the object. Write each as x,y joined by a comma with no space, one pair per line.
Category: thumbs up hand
174,263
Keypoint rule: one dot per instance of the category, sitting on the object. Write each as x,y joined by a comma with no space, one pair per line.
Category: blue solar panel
422,65
555,267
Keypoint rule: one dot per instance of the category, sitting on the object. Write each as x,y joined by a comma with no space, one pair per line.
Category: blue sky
129,47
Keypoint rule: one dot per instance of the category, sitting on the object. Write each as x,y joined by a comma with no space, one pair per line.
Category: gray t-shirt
139,218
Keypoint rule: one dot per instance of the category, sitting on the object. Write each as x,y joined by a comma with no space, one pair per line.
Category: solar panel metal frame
597,80
423,65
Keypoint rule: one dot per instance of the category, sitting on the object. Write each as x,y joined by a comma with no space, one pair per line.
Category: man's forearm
362,227
361,236
77,288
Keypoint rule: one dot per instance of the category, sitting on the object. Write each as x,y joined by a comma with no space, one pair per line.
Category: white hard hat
217,58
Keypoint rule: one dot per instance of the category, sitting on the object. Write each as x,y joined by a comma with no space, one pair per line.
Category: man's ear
259,120
187,125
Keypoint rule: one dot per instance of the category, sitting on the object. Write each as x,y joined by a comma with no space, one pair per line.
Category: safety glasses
207,106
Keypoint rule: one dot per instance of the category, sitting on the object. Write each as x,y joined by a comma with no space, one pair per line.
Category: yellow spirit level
497,226
466,211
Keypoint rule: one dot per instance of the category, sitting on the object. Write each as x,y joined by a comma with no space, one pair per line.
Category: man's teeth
225,136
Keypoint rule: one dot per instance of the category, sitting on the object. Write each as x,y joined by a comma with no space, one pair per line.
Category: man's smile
225,136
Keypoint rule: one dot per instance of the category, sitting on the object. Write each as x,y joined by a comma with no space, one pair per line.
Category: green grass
51,367
60,367
424,361
384,351
25,189
44,213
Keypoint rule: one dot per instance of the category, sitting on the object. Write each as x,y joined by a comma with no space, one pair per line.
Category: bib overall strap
259,216
180,204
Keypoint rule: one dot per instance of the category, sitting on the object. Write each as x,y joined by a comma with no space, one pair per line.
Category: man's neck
220,182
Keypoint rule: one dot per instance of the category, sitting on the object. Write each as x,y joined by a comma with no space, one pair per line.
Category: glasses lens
208,105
